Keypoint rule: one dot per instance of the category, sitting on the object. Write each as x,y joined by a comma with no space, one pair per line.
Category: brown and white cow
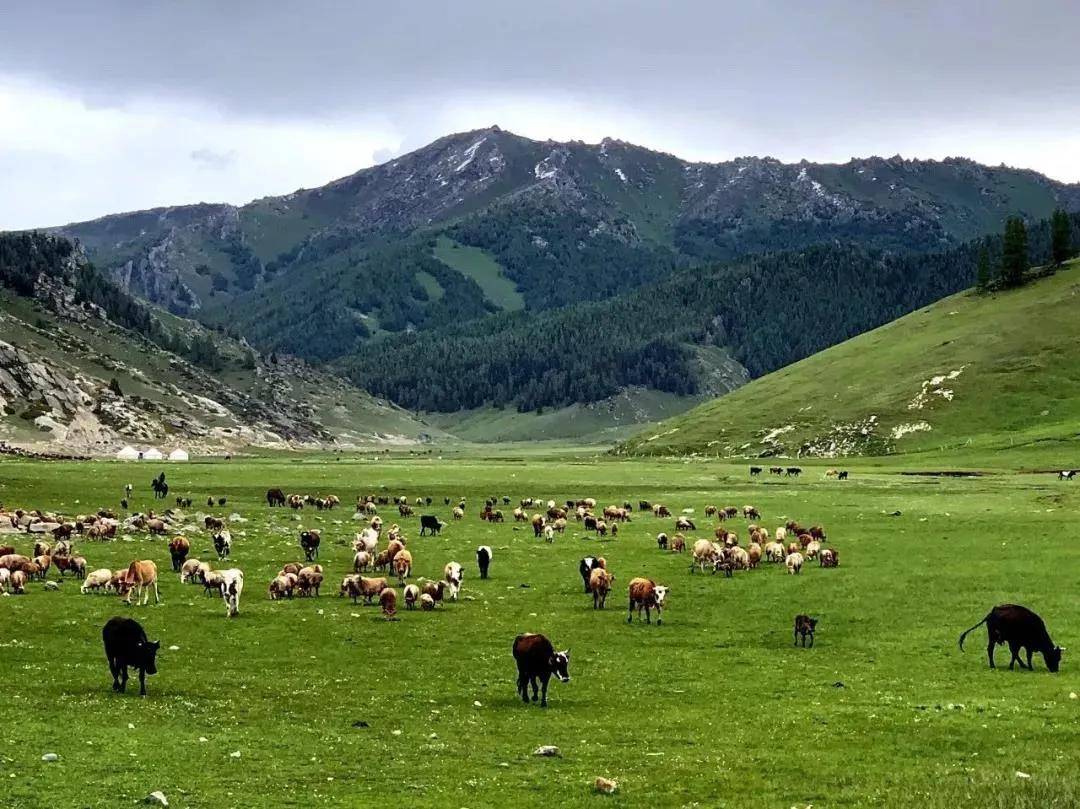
646,595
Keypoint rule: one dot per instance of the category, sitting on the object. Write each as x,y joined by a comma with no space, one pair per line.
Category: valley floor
320,702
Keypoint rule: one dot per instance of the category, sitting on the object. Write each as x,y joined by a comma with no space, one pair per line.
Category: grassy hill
989,371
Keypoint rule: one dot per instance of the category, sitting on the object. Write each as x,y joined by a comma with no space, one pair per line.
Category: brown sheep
434,589
388,602
403,565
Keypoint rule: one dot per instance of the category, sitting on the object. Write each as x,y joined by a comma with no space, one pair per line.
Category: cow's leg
1014,648
142,682
648,615
123,677
157,596
114,669
1030,652
811,640
544,680
535,681
990,652
796,636
523,686
630,617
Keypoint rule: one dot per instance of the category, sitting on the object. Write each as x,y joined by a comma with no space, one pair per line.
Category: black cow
126,645
431,524
586,567
536,661
1066,474
310,541
794,470
843,475
755,470
1021,629
483,560
275,497
805,626
644,505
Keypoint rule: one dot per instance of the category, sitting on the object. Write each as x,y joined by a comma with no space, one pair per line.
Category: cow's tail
966,632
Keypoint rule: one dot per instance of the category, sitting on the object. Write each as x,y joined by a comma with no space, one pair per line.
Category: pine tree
983,272
1060,236
1014,252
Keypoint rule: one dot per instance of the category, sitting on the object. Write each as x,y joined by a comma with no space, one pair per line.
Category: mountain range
487,269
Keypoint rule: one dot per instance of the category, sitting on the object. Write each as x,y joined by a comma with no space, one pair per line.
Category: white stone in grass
131,726
476,702
1072,695
156,797
1022,774
50,757
174,648
395,732
547,750
234,754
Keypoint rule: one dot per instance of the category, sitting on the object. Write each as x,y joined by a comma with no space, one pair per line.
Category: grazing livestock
678,543
126,645
427,603
309,580
755,470
282,586
275,497
685,524
647,595
794,563
435,589
309,542
751,513
843,474
774,552
705,554
17,582
538,525
357,586
662,541
429,523
1023,630
776,470
412,595
1066,474
76,565
212,523
178,550
362,562
42,564
537,661
659,510
459,513
600,584
587,565
232,585
141,576
403,565
388,602
794,471
483,560
812,549
96,580
453,575
190,571
223,544
829,557
155,526
804,627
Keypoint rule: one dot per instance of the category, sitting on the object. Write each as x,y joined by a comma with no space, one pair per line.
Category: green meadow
320,702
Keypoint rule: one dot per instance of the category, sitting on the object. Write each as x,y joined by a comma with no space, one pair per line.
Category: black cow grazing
536,661
776,470
805,626
183,502
429,523
1066,474
843,475
446,501
126,645
644,505
275,497
310,541
1021,629
586,567
755,470
209,501
795,471
483,560
124,504
222,501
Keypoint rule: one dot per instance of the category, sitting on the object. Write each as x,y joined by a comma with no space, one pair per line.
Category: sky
119,105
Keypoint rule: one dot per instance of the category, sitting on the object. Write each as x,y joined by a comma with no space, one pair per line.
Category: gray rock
548,750
157,797
50,757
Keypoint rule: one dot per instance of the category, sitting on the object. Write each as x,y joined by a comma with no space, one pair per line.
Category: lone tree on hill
1014,252
1060,237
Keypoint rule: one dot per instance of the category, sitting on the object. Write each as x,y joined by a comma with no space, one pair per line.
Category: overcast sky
108,106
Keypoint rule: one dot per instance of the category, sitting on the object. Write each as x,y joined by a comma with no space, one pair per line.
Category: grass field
714,708
482,268
983,371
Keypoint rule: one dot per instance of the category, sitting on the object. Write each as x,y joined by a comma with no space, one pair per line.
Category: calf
1022,629
600,584
141,576
232,585
453,574
126,645
223,544
804,626
310,541
412,595
537,661
178,550
647,595
586,566
483,560
429,523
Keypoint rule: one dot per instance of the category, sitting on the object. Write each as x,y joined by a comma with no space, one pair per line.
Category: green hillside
996,370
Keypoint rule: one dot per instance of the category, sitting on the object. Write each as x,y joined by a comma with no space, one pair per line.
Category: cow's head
146,655
661,594
1053,658
560,665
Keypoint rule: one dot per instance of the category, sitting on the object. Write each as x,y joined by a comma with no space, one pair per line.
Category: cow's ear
566,654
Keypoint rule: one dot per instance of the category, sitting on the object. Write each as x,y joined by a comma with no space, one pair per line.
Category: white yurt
178,455
152,454
127,454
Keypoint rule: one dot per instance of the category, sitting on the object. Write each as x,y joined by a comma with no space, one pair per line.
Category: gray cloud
707,79
209,159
